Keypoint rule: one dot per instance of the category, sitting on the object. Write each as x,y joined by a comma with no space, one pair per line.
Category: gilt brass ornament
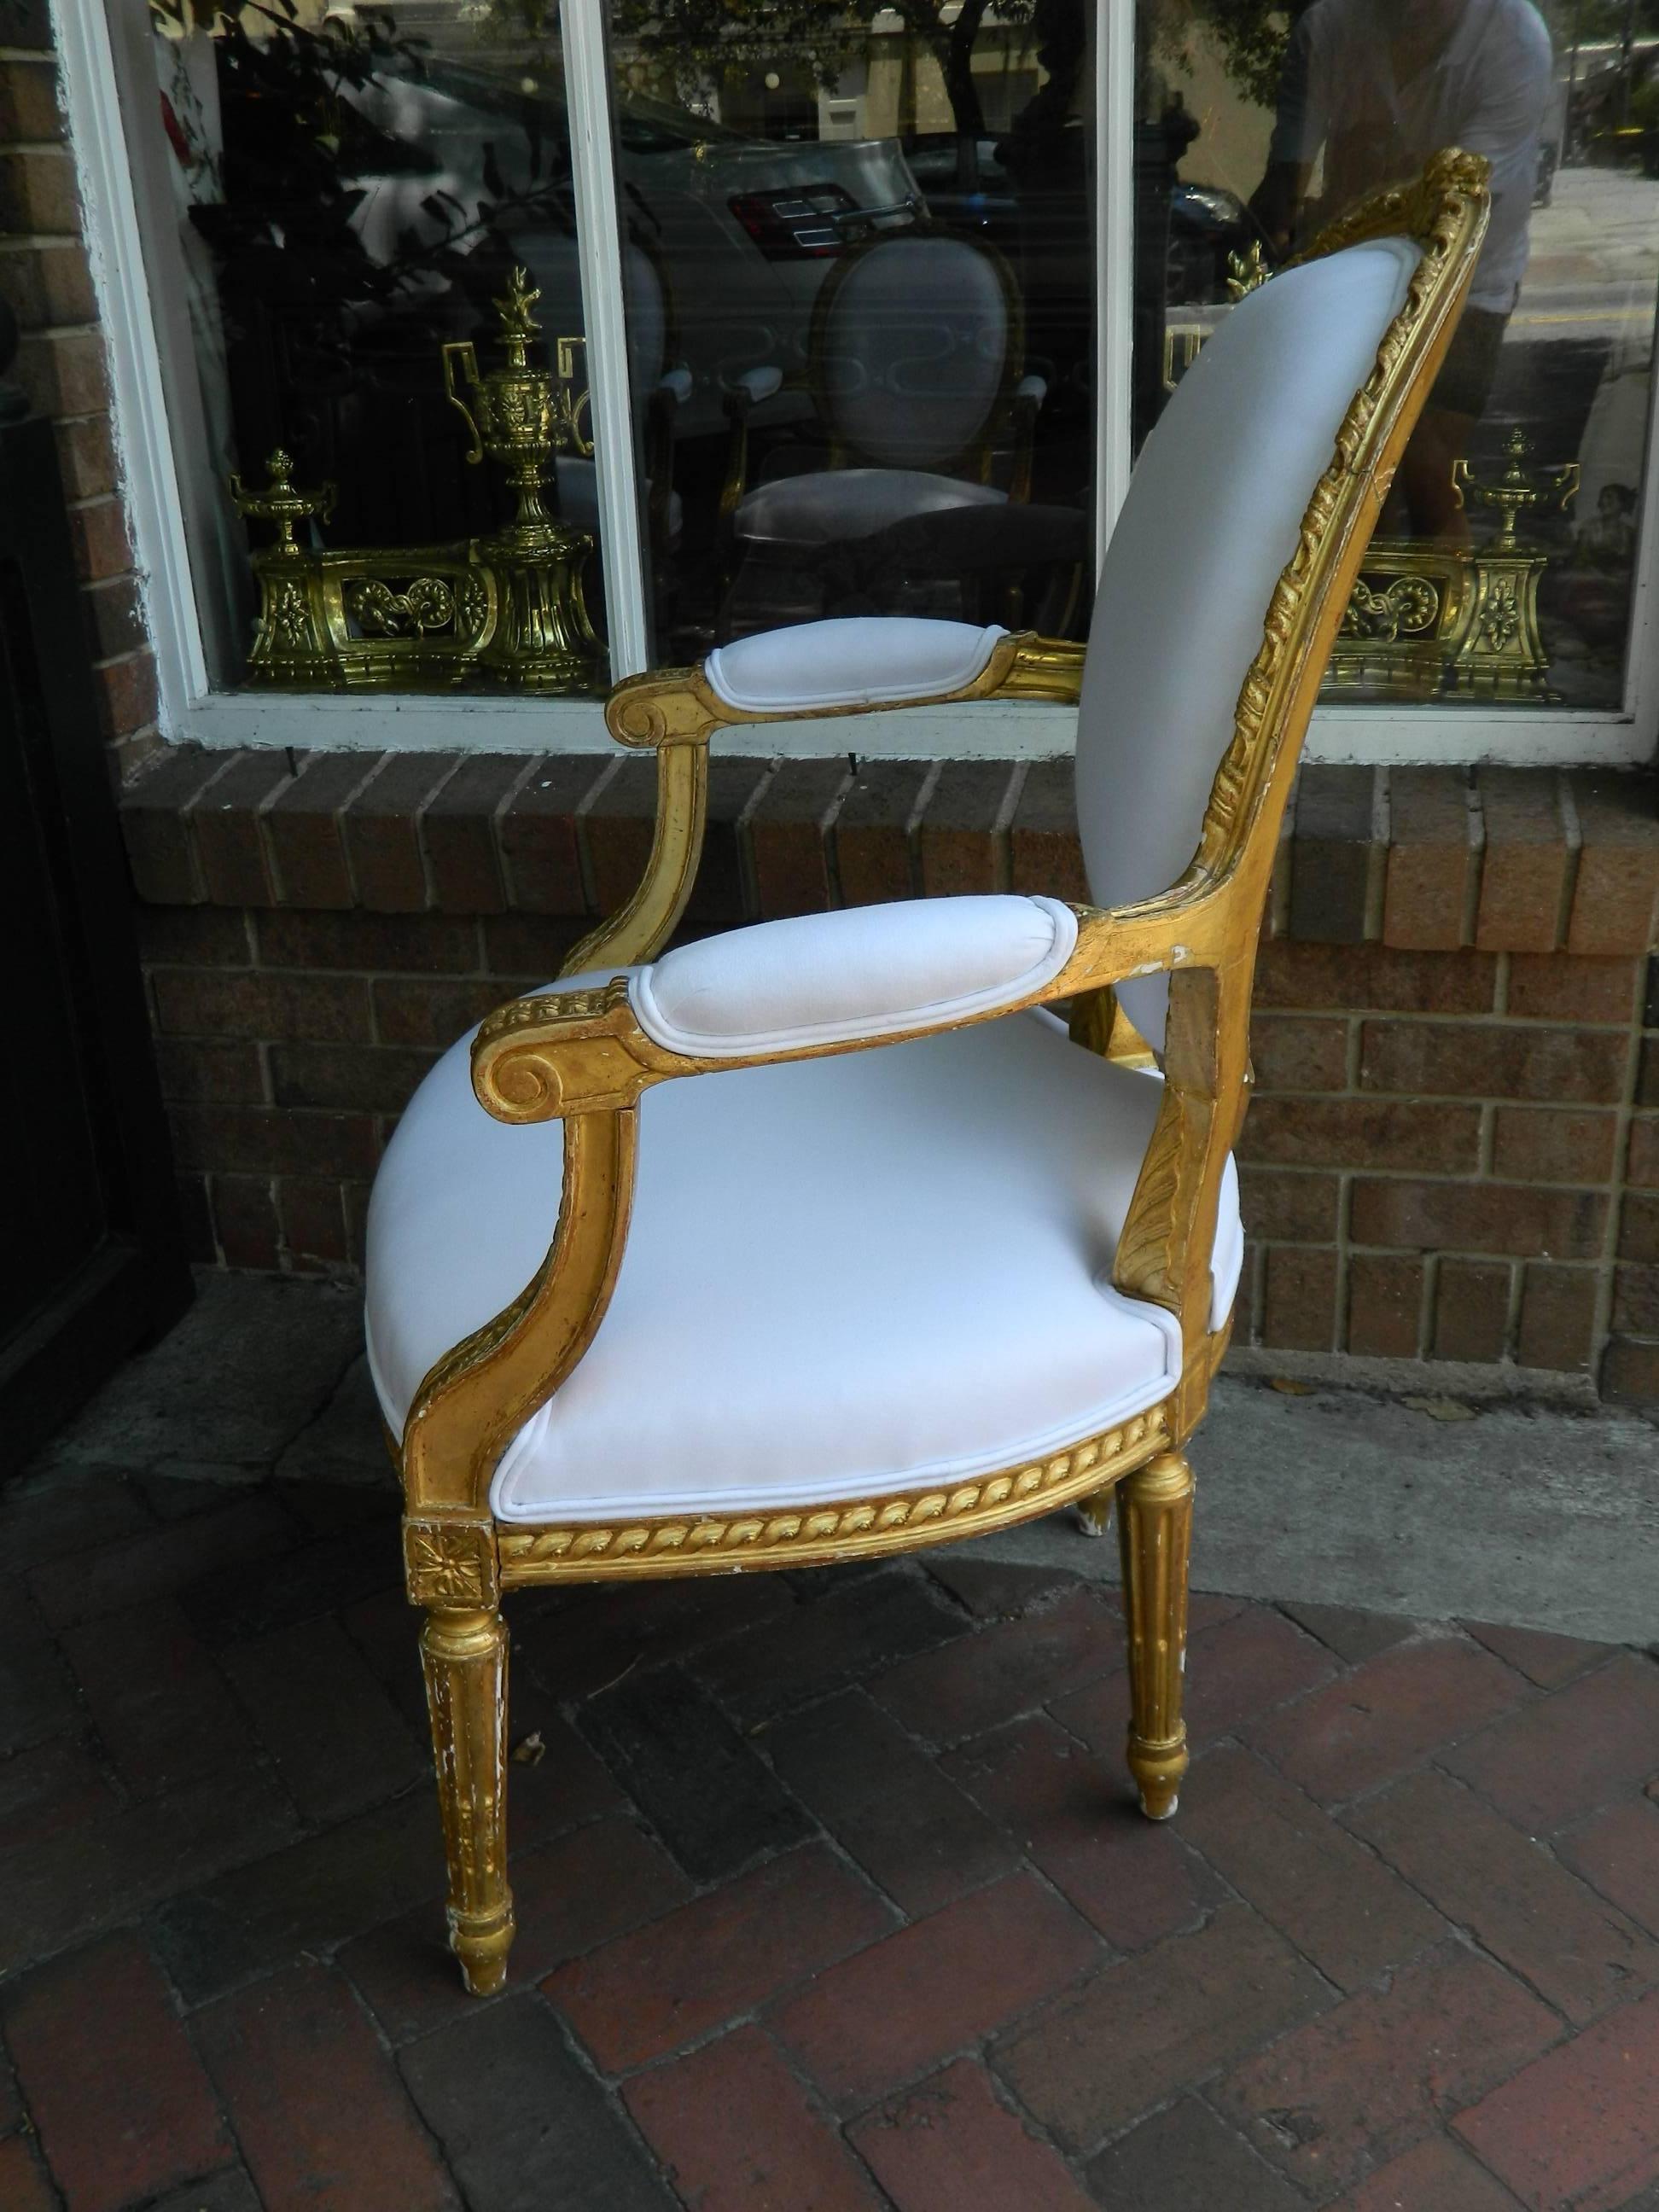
503,612
1499,652
1428,621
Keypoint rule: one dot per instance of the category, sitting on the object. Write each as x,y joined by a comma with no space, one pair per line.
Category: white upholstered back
1212,517
915,348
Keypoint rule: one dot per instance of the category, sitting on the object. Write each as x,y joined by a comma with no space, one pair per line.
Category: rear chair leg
1155,1528
464,1652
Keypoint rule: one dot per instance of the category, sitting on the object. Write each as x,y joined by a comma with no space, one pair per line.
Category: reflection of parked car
1207,223
744,228
970,194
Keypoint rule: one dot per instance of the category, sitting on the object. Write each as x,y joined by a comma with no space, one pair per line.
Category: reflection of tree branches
1250,36
698,43
294,146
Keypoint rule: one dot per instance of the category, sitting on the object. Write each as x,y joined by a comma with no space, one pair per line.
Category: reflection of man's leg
1441,436
1432,509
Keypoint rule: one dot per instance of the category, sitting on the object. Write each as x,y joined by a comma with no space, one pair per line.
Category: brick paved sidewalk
830,1895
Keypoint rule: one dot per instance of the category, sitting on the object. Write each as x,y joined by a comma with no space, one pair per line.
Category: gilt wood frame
582,1056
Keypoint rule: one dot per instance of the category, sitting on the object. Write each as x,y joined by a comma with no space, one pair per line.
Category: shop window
1504,569
837,310
376,236
878,280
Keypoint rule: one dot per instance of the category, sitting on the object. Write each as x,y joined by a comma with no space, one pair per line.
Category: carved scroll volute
671,706
553,1055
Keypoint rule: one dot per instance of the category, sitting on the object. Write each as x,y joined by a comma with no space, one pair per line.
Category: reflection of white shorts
1610,451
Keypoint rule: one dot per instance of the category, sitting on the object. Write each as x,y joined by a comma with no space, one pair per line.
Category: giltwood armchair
926,1261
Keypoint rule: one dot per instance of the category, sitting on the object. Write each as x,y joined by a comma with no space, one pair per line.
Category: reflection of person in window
1378,86
1608,539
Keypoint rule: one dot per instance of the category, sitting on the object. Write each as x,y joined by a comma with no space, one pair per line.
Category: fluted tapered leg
464,1652
1155,1526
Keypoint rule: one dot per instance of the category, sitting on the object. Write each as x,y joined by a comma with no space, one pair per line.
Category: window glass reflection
1503,566
375,243
873,244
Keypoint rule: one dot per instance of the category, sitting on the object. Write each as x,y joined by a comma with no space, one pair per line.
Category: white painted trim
143,432
1642,650
1115,260
1520,736
992,730
587,92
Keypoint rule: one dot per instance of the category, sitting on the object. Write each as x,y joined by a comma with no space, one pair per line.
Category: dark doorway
91,1259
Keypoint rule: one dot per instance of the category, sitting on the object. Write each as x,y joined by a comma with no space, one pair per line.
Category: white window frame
147,339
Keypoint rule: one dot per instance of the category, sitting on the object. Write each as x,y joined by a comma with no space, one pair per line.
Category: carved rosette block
464,1656
1155,1526
450,1562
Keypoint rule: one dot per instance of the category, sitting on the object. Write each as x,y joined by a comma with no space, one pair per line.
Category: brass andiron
518,415
280,503
1426,620
1499,651
1517,491
1457,622
503,612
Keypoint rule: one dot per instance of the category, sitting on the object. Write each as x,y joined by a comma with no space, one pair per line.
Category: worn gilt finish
580,1056
1155,1528
464,1656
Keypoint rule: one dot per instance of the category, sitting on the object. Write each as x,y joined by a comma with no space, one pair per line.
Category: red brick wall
1454,1149
45,279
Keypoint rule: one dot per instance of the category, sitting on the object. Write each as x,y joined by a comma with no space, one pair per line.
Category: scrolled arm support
564,1052
675,712
480,1395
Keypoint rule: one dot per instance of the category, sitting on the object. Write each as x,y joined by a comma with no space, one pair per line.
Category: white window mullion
151,483
599,245
1642,663
1115,260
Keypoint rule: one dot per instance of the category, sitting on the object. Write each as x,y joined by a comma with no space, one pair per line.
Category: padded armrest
756,383
1033,387
860,972
675,383
855,660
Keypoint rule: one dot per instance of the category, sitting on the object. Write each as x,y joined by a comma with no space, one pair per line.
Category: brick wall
1454,1151
45,279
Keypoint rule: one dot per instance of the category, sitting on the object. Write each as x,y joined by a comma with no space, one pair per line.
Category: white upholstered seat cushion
845,1276
834,504
849,660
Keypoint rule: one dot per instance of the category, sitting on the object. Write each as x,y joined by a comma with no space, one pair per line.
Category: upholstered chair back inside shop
916,369
829,1238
